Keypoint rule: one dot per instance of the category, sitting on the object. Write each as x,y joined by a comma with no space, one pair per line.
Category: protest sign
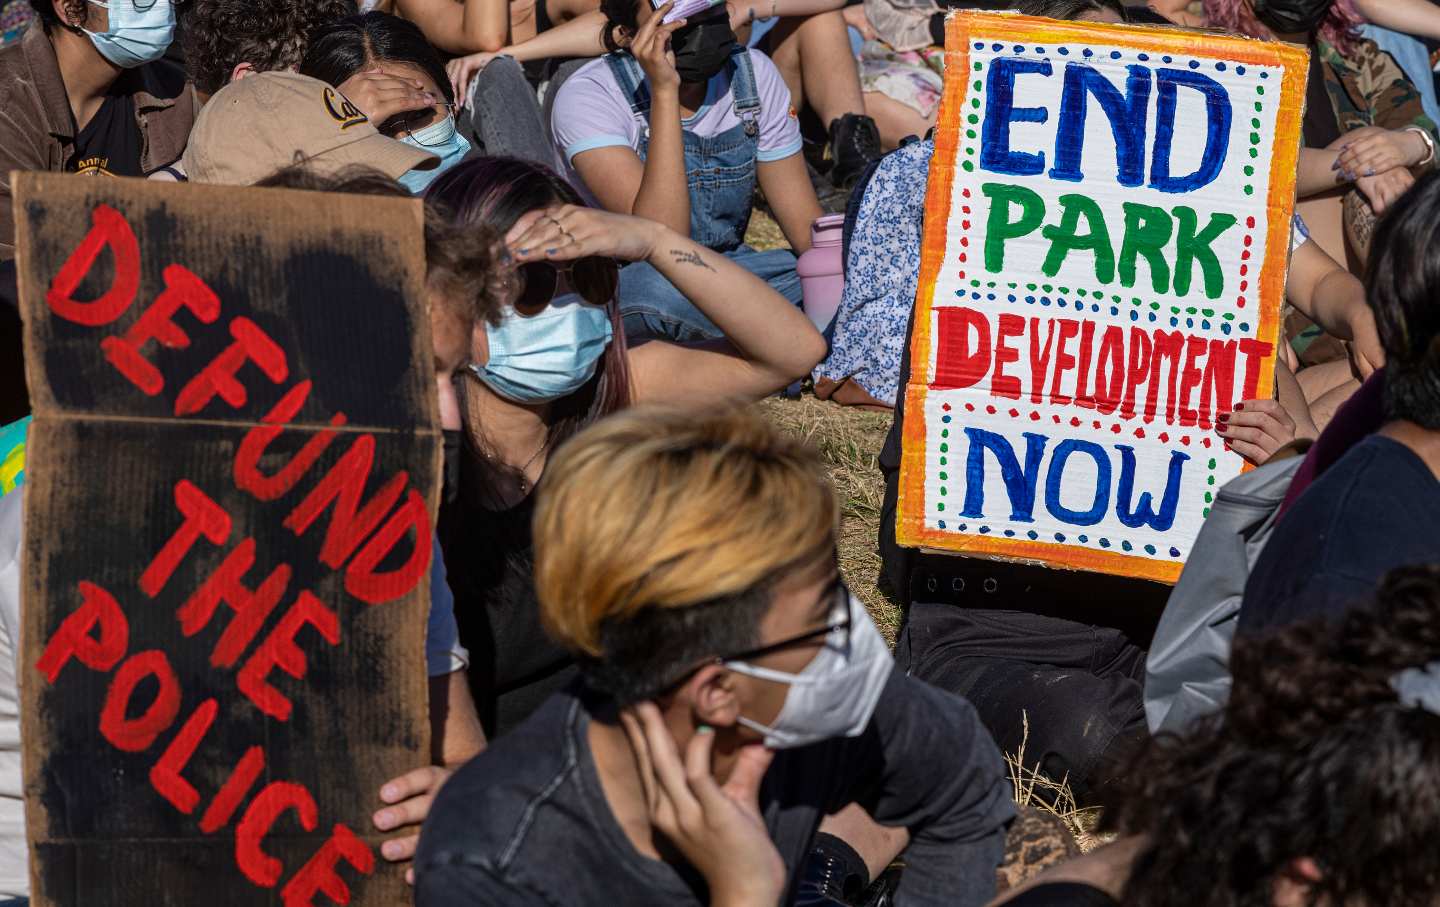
229,483
1107,233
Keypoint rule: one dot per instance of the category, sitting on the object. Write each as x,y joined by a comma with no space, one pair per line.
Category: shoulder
766,73
589,80
17,79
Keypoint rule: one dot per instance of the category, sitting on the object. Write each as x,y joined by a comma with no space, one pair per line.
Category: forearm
664,194
794,8
1317,172
1416,17
582,36
484,26
761,324
1334,304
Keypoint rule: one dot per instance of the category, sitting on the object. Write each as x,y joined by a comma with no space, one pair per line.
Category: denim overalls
720,175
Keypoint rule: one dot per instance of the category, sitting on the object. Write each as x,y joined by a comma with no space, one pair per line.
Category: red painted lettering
98,608
203,517
1218,387
957,363
1255,353
1112,358
248,476
251,606
1039,360
1082,389
1190,376
108,229
1005,385
264,811
362,580
133,735
182,290
318,875
279,650
251,345
232,792
1168,345
1063,360
344,484
166,775
1138,371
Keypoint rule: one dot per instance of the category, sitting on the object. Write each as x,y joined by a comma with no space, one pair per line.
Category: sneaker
829,880
854,143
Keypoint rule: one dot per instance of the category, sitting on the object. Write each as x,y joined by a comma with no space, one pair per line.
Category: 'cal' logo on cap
346,114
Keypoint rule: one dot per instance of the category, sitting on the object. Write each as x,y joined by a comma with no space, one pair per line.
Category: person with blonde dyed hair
732,694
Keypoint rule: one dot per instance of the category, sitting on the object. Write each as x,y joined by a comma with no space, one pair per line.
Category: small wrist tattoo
690,258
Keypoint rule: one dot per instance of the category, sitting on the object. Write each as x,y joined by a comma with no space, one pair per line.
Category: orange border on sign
910,529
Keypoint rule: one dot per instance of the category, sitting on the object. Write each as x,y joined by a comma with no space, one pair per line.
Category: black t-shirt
110,142
490,563
527,824
1376,509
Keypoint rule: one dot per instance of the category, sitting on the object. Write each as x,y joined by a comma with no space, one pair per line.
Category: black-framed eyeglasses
841,627
410,122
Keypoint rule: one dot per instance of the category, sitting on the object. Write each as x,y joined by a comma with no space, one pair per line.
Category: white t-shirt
591,111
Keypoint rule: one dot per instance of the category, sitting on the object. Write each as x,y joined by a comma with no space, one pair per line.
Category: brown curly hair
218,35
1313,757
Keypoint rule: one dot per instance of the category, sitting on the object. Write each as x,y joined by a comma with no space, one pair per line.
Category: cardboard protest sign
1107,232
230,476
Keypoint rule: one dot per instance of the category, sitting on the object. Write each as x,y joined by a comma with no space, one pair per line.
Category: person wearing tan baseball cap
257,125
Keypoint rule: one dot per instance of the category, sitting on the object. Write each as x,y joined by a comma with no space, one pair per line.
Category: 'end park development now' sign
1107,231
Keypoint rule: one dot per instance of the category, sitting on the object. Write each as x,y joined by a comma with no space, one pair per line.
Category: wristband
1429,141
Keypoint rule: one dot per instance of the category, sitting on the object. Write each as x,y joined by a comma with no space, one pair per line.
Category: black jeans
1076,687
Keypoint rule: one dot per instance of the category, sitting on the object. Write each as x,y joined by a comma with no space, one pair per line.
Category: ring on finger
568,235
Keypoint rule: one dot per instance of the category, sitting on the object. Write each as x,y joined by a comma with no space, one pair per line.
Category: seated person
1378,506
1303,791
682,138
274,119
378,61
229,39
688,561
85,91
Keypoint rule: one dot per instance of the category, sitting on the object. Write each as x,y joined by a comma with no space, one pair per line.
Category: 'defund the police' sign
1107,231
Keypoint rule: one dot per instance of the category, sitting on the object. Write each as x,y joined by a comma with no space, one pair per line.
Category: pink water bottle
822,270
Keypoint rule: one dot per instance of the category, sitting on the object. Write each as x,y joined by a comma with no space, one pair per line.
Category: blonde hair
666,508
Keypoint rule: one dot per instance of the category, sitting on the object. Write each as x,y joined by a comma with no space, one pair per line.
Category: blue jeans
653,309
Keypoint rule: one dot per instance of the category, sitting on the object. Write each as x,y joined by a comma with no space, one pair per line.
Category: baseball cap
271,120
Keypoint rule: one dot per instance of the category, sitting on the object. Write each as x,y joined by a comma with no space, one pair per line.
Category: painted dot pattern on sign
1097,301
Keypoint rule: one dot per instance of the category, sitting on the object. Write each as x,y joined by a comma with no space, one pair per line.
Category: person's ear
713,696
73,13
242,70
479,344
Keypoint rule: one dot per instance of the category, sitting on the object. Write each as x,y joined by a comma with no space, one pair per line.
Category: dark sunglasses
595,279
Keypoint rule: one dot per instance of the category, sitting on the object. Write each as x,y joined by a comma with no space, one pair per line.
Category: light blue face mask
543,357
442,138
140,31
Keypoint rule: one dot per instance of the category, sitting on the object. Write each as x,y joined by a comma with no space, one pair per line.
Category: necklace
524,480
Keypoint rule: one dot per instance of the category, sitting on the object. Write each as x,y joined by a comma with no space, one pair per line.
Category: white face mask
835,695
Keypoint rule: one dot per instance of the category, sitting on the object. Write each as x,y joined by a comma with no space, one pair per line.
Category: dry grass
849,440
764,234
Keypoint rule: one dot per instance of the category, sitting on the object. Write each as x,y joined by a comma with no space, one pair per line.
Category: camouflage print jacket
1368,88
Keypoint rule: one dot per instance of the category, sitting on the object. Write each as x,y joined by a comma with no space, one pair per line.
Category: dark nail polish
1239,406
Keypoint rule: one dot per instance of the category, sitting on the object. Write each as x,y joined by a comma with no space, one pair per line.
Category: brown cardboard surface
272,364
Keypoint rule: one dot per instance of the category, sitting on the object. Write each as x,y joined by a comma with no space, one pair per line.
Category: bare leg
876,844
1324,217
562,11
895,120
1319,380
1322,410
814,58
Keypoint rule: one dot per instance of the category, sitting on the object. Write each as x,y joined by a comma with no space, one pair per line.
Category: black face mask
1292,17
702,48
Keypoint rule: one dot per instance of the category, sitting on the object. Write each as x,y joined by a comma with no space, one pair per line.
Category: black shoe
854,143
834,875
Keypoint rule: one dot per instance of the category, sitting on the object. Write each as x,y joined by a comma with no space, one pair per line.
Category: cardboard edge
910,529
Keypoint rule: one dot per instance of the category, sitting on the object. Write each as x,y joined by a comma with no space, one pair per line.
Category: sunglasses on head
595,279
